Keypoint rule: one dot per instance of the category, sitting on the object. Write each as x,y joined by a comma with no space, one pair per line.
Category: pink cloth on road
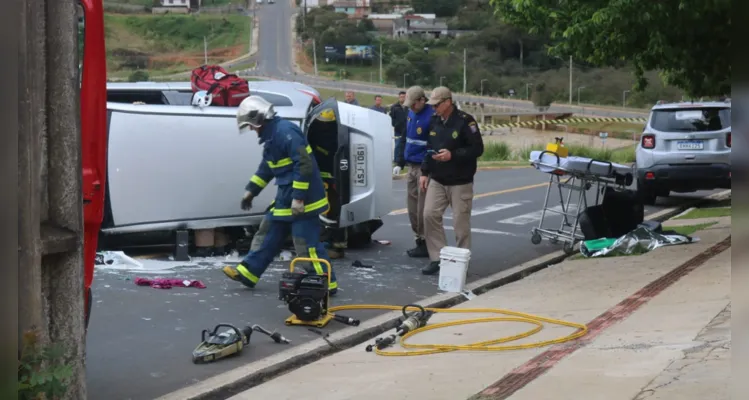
166,283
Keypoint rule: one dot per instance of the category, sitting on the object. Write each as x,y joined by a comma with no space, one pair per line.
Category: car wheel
648,197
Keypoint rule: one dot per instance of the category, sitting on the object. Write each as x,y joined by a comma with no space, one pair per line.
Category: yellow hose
512,316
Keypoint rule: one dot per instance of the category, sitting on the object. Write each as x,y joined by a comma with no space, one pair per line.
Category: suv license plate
360,165
689,145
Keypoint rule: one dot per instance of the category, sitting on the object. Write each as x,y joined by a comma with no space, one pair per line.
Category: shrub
42,373
496,151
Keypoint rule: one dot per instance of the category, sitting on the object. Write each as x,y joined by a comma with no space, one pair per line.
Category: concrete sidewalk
657,347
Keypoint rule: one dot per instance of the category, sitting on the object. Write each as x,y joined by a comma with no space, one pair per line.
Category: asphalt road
275,60
140,339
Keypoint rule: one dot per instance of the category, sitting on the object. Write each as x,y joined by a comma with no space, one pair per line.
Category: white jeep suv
685,147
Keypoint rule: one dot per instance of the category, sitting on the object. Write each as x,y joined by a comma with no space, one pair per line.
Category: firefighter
300,197
323,138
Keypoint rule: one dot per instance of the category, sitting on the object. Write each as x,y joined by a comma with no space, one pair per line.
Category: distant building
175,3
412,25
353,8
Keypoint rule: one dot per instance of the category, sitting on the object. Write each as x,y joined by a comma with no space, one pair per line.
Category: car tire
648,197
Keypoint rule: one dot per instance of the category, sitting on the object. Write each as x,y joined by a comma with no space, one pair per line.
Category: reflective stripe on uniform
285,161
247,274
300,185
316,264
258,181
416,142
286,212
321,150
326,175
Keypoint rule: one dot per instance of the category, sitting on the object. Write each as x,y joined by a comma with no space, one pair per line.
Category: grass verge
365,99
689,230
708,212
501,151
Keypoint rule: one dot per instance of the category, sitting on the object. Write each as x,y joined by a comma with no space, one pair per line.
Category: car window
691,119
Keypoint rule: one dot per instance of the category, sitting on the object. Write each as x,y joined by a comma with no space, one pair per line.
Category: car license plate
689,145
360,165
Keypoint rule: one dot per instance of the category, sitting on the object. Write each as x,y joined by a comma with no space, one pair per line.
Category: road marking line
542,363
536,216
476,230
492,208
487,231
482,195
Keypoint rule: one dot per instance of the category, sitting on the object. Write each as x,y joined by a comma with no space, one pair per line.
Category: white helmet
202,99
252,112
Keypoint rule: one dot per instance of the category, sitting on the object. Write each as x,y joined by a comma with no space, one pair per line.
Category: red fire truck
93,97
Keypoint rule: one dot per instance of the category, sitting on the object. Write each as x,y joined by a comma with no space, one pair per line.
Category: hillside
162,44
500,59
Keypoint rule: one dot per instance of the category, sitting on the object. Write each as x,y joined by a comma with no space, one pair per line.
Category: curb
232,382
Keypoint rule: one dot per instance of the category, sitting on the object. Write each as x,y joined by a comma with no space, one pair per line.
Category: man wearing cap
414,148
454,145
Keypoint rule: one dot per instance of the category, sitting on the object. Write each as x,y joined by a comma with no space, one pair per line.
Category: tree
138,76
689,41
540,97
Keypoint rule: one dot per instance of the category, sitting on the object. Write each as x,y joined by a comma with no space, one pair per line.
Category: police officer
417,128
454,146
300,196
323,138
398,117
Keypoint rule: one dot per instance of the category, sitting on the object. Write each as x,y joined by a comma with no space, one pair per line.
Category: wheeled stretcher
581,175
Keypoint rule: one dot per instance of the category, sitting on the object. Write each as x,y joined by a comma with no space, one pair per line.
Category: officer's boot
239,274
420,251
432,268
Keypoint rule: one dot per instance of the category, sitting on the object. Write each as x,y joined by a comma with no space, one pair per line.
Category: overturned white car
173,166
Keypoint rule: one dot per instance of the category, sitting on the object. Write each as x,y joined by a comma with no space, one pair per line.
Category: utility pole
314,54
464,71
205,51
380,63
252,27
521,53
570,80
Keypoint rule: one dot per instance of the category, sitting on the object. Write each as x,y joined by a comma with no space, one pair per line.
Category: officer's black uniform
398,116
460,134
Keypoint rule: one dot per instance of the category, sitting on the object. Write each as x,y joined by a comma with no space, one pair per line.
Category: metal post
570,79
252,28
404,79
380,62
578,94
314,54
441,78
624,99
482,86
464,71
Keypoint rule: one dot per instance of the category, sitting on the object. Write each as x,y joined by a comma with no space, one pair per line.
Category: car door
362,166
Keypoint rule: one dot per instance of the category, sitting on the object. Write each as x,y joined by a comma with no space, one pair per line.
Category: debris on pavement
358,264
384,242
116,257
640,240
167,283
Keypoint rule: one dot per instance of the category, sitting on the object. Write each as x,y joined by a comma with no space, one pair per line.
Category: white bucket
453,268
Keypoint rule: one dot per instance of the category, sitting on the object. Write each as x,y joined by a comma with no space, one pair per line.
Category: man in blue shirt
414,144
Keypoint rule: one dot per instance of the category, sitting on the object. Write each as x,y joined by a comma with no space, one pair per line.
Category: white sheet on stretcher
577,164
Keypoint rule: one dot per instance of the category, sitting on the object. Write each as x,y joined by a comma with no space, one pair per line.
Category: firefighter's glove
297,207
246,203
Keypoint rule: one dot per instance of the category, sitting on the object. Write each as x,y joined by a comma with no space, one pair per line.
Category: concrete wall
170,10
50,227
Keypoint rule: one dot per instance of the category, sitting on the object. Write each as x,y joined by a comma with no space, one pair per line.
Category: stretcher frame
580,182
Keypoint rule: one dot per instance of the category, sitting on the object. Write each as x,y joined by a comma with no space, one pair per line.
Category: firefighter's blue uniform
287,158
